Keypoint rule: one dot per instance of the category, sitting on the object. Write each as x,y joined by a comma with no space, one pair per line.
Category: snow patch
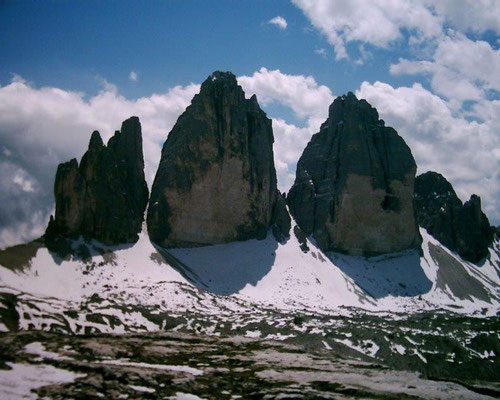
18,382
38,349
175,368
143,389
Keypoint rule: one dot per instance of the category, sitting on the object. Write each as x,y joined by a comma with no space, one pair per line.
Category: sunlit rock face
216,181
355,182
463,228
103,198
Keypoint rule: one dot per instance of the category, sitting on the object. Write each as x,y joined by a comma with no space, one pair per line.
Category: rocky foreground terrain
430,355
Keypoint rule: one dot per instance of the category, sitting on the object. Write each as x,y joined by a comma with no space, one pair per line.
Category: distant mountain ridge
216,183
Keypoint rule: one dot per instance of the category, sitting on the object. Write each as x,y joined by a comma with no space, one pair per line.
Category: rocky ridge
216,183
354,185
216,180
103,198
463,228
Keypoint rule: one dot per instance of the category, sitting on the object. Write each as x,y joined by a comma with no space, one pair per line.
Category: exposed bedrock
355,182
103,198
463,228
216,181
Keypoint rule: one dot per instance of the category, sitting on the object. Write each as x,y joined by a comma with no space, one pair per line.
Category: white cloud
461,69
279,21
377,22
382,22
469,15
466,152
322,52
301,93
133,76
308,101
41,127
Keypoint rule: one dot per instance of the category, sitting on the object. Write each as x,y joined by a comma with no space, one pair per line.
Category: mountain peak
105,197
95,141
216,181
354,185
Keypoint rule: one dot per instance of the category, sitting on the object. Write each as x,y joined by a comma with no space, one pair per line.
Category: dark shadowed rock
282,222
461,227
216,181
104,197
354,185
301,238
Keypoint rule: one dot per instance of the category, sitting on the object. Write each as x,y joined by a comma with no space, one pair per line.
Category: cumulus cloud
461,69
382,22
301,93
308,101
466,152
41,127
133,76
279,21
468,15
376,22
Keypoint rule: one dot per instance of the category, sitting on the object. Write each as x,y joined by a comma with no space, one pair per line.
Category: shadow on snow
397,274
224,269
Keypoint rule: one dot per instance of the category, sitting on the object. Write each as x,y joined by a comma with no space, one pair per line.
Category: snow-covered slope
132,284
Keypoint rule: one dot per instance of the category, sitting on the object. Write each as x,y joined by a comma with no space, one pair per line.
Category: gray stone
463,228
282,222
354,185
216,181
103,198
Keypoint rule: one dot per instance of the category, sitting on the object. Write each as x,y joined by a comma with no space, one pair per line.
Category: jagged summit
104,197
463,228
354,184
216,181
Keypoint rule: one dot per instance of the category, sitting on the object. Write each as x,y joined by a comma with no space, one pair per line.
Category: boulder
103,198
463,228
216,181
354,184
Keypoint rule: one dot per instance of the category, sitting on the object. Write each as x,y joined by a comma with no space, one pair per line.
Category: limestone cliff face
216,180
463,228
354,185
104,197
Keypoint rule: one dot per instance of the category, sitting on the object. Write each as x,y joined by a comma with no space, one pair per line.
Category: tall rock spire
354,185
103,198
216,181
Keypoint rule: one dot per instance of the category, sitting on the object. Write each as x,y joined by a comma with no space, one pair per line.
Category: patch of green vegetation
298,320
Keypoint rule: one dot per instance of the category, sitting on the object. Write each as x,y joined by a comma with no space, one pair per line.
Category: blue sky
71,44
69,67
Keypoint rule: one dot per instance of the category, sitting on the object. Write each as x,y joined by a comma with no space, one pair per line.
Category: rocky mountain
216,180
354,185
103,198
463,228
